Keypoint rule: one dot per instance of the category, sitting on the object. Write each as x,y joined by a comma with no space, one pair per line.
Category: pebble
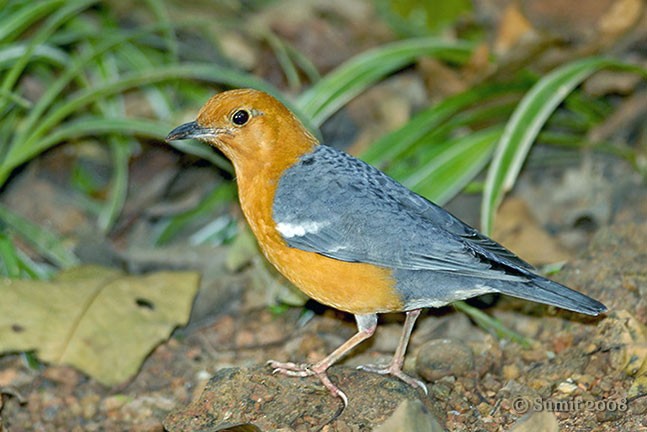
410,416
544,421
488,354
444,357
511,372
89,405
115,402
567,387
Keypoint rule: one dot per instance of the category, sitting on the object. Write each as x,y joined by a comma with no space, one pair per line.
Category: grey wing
338,206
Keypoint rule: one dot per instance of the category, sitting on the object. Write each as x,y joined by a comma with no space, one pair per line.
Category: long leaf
396,143
351,78
57,19
53,55
148,128
37,141
524,125
451,169
21,19
46,243
54,90
121,146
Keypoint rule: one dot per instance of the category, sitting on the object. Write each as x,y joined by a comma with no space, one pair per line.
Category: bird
351,237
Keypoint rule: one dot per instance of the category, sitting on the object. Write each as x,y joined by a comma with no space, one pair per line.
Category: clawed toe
413,382
304,370
396,372
290,369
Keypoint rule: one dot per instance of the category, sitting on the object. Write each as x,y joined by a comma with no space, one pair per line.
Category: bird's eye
240,117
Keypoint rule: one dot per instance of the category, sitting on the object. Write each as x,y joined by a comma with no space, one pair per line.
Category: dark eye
240,117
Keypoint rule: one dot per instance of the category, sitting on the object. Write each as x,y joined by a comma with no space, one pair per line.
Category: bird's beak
189,130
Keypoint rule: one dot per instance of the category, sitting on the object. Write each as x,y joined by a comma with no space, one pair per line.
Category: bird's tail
545,291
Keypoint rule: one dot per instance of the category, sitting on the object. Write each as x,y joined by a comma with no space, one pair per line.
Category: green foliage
91,67
524,126
421,17
357,74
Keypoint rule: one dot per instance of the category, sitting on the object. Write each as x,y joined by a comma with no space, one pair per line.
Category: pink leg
395,367
366,325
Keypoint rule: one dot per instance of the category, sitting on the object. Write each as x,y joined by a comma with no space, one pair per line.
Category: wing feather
343,208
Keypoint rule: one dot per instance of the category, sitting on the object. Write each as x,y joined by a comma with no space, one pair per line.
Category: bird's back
335,205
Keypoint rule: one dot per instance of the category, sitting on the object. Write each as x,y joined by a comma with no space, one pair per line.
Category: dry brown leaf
97,319
520,232
512,27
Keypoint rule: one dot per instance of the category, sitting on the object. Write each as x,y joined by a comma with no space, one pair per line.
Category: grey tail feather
545,291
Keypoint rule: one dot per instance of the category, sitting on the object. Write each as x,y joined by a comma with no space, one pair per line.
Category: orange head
253,129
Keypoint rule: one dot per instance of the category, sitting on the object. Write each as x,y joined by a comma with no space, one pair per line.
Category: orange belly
357,288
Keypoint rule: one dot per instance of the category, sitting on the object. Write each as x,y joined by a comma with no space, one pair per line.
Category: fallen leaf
518,230
620,17
512,27
99,320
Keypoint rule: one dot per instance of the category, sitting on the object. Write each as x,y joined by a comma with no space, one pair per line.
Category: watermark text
522,405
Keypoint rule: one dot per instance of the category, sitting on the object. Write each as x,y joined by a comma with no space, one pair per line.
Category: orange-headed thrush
350,236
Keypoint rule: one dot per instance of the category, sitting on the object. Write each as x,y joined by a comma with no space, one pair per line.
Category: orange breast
352,287
357,288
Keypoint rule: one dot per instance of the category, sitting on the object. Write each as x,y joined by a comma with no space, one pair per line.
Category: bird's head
252,128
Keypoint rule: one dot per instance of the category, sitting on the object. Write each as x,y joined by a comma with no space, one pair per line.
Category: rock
444,357
511,372
410,416
273,401
623,332
566,387
536,421
488,354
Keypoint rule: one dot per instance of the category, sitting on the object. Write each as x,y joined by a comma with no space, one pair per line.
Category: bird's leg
366,325
395,367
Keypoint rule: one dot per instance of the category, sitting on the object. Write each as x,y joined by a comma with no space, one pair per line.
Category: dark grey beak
187,131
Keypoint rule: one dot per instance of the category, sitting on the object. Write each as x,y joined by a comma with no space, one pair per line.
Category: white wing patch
289,230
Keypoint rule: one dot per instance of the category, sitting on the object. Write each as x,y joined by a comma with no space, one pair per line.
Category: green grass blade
9,261
39,140
524,125
75,70
137,58
121,146
21,19
160,11
121,151
44,241
491,324
351,78
304,63
58,18
15,264
219,196
454,167
282,56
11,53
394,144
149,128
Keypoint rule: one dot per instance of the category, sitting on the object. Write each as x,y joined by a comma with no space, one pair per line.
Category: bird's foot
304,370
397,372
291,369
